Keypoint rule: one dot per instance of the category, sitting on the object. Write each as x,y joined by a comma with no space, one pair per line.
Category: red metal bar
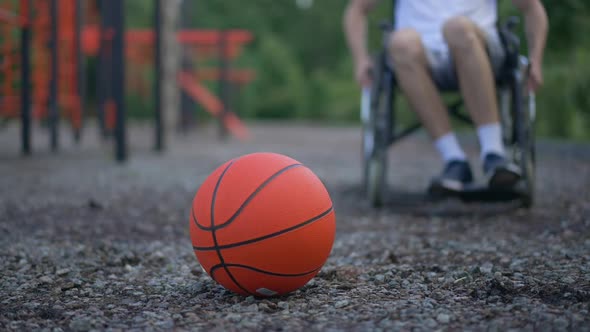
192,36
212,104
41,55
235,75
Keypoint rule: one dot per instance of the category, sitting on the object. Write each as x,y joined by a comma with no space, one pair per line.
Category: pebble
263,307
486,268
568,280
165,324
80,324
62,272
67,286
443,318
234,318
252,308
341,304
46,279
431,323
561,323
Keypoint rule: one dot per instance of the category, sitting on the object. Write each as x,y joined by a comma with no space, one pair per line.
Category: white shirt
429,16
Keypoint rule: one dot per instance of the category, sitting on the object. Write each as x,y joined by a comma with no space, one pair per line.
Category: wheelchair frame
517,114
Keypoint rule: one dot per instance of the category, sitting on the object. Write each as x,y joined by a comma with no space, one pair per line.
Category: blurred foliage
304,69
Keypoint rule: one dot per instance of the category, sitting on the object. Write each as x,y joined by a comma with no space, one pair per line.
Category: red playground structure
44,45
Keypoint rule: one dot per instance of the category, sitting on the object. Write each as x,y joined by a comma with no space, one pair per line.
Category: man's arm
536,32
355,29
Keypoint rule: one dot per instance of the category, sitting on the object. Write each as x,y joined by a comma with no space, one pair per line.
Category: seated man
451,43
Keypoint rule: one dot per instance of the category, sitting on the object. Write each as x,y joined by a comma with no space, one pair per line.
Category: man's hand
536,33
535,76
355,29
363,71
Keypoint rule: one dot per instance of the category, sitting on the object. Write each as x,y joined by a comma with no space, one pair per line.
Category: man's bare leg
412,72
467,43
411,69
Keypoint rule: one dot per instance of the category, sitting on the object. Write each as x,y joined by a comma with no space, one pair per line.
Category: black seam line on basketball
212,216
286,230
201,227
247,201
247,267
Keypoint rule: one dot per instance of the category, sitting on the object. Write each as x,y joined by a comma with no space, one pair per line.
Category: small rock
341,304
517,264
443,318
67,286
81,324
264,307
94,205
431,323
191,316
389,257
62,272
427,305
252,308
380,278
273,306
157,255
234,318
45,280
561,323
568,280
165,324
486,268
283,305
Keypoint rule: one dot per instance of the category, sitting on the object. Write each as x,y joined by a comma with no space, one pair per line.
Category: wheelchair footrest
483,193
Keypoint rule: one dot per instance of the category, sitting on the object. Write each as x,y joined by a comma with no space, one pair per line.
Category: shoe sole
504,178
445,188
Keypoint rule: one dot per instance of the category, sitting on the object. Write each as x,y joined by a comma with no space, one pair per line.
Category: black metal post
187,104
54,80
25,7
159,128
80,66
118,77
223,79
188,107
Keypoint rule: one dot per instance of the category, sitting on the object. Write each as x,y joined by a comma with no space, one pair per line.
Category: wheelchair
517,113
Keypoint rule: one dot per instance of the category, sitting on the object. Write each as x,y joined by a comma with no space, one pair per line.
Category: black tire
375,136
524,145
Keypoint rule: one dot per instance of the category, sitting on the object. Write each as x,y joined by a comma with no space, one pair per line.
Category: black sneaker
455,176
500,172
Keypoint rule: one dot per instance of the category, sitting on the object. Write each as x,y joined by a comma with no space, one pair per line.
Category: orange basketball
262,224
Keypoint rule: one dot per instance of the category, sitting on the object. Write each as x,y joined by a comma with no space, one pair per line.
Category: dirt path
86,243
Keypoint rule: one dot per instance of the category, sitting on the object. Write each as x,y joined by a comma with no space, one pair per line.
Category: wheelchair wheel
524,138
375,104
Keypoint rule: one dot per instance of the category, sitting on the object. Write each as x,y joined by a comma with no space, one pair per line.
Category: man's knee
405,47
460,33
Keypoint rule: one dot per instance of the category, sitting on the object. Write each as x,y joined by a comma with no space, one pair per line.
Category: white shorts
443,70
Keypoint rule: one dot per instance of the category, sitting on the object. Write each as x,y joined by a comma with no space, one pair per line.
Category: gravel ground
88,244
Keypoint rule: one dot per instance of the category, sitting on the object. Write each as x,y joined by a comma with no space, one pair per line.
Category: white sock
490,139
448,147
